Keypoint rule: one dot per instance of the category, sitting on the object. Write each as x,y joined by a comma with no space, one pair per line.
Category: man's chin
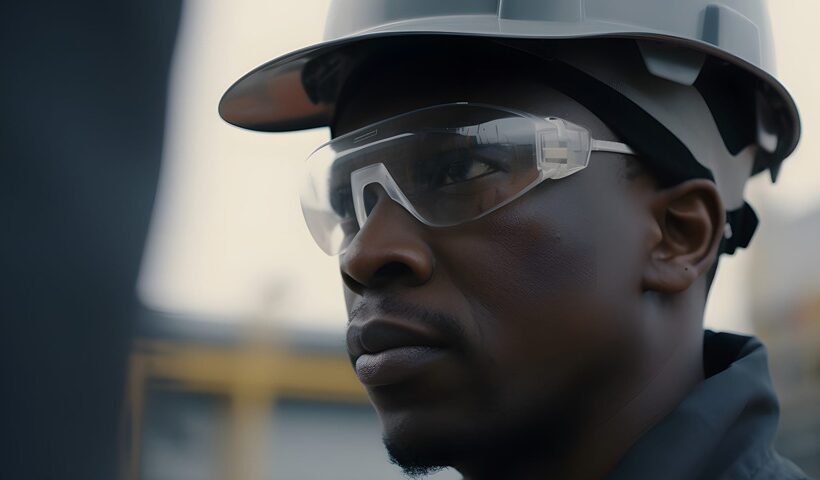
422,442
416,458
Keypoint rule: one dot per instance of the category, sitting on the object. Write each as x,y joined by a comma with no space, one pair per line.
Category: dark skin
570,320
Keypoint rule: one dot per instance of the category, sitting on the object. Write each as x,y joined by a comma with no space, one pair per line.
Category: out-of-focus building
207,400
785,305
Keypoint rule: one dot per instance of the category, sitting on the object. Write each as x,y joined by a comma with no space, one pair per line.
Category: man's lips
385,352
395,365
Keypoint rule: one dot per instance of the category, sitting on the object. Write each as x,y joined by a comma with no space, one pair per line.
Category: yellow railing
252,376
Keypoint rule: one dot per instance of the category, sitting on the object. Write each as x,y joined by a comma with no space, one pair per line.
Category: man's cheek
537,261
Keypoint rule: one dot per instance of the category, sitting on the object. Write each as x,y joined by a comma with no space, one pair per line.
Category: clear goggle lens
446,165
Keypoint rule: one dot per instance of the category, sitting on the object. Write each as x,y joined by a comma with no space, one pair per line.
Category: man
528,226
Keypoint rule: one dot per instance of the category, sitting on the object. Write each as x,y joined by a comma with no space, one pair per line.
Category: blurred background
231,364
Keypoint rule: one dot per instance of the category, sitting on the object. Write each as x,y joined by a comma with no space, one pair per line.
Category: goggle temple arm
611,147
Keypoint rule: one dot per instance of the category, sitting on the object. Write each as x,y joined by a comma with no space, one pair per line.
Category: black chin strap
742,225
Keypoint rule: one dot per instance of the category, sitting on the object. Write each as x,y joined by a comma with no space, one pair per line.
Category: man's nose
389,249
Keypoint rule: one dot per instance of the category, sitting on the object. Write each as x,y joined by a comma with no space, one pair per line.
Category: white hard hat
680,44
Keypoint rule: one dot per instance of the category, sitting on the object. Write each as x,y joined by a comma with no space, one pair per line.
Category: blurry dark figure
83,105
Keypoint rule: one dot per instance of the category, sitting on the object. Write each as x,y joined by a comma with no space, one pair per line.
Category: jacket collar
723,429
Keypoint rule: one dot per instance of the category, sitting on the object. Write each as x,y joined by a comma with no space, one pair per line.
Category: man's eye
463,170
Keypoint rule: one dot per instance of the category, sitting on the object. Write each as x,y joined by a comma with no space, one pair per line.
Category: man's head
538,320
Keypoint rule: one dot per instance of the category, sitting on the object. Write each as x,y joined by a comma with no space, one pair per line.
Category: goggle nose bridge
377,173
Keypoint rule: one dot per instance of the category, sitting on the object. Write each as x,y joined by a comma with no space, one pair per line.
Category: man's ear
688,226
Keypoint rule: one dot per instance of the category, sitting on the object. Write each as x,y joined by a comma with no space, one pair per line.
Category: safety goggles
446,165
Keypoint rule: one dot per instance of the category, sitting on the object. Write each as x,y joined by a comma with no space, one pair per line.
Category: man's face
470,336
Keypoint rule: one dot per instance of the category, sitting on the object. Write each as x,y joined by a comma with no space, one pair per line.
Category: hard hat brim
273,96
